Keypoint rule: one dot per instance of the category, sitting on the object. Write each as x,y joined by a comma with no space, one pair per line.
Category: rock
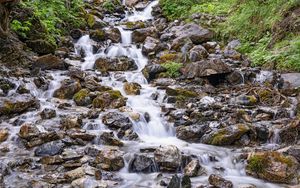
247,186
67,89
196,33
83,182
247,100
198,53
131,3
192,168
192,133
219,182
41,47
50,62
51,148
6,85
115,64
97,35
177,182
48,113
206,68
113,34
150,45
110,159
151,71
142,163
168,158
185,93
52,160
295,152
80,134
109,99
28,131
115,121
225,136
71,121
293,79
232,54
235,78
186,182
232,45
140,35
82,98
22,89
76,34
182,44
79,172
3,134
132,88
273,167
289,134
17,104
108,138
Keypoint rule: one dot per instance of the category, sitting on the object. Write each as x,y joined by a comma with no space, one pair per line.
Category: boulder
104,64
68,89
225,136
219,182
152,71
17,104
48,113
150,45
50,62
295,152
192,168
71,121
192,133
82,98
273,167
109,99
49,149
168,158
198,53
113,34
132,88
110,159
293,79
3,134
140,35
115,121
97,35
76,34
108,138
41,47
206,68
142,163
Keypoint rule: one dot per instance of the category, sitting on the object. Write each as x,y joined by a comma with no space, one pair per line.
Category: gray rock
51,148
219,182
116,121
142,163
168,158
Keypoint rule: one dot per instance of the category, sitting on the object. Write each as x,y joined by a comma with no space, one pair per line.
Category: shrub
172,68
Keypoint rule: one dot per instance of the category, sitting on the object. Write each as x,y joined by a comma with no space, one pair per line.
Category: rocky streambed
105,111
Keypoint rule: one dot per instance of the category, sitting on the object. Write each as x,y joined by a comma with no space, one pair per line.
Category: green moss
282,159
81,94
132,25
219,137
172,68
168,57
114,94
90,19
99,102
181,92
252,99
258,163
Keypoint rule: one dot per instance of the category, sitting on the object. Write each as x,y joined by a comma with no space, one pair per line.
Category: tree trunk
5,9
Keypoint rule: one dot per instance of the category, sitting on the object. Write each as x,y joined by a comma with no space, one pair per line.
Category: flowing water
156,132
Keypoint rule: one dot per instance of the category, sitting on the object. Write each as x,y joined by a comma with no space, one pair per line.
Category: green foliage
108,6
21,28
172,68
214,7
257,163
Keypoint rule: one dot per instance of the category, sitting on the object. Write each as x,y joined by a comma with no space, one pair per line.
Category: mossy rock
109,99
181,92
82,98
168,57
132,88
97,35
135,25
91,20
273,166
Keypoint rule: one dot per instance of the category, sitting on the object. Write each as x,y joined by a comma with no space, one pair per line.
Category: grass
172,68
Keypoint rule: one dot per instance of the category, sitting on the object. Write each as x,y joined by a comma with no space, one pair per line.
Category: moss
264,94
252,99
168,57
90,19
80,95
114,94
219,137
282,159
98,35
132,25
181,92
99,102
173,68
258,163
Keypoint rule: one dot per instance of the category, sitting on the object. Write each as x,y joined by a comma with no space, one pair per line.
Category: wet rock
196,33
128,134
164,82
293,79
115,121
108,138
225,136
132,88
67,89
219,182
84,181
115,64
151,71
50,62
110,159
247,186
142,163
6,85
109,99
192,168
192,133
52,160
76,34
168,158
97,35
198,53
150,45
80,134
79,172
3,134
295,152
28,131
41,47
22,89
17,103
247,100
48,113
82,98
49,149
113,34
182,44
289,134
92,83
273,167
140,35
235,78
131,3
206,68
71,121
177,182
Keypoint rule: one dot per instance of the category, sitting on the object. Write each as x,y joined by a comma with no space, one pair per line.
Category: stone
273,167
76,34
177,182
115,64
293,79
109,99
50,62
295,152
132,88
6,85
289,134
48,113
198,53
152,71
80,134
110,159
192,133
3,134
247,100
68,89
108,138
84,181
235,78
41,47
71,121
131,3
49,149
206,68
115,121
16,104
150,45
140,35
82,98
219,182
192,168
225,136
168,158
142,163
113,34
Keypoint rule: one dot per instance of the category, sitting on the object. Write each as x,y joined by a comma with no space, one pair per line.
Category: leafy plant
21,28
172,68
